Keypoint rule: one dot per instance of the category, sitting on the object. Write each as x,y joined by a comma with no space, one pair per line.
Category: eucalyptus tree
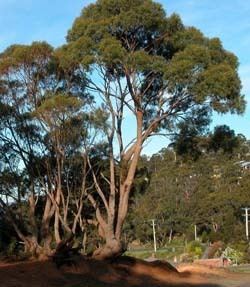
223,138
140,62
22,75
191,140
44,112
70,129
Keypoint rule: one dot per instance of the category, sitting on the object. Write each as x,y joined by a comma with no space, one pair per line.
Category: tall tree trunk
58,198
46,236
117,212
31,211
125,187
57,223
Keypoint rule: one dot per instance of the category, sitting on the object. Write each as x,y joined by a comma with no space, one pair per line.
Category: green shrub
234,255
243,248
195,249
11,249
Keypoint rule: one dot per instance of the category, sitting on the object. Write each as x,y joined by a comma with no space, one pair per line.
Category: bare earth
123,272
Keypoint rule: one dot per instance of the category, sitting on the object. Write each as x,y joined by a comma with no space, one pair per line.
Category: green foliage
45,121
208,191
195,249
193,137
238,251
11,250
138,38
190,140
224,138
35,54
235,256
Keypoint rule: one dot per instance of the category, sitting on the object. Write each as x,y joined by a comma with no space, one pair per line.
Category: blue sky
24,21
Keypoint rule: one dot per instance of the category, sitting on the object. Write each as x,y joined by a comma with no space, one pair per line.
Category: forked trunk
34,249
31,246
117,208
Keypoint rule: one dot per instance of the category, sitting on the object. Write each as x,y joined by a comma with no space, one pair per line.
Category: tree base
110,250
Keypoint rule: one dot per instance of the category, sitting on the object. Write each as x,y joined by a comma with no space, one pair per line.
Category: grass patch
163,254
240,268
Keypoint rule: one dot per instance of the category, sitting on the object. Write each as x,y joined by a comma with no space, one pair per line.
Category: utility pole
153,224
246,215
195,232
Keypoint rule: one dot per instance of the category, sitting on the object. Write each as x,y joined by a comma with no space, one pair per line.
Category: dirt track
123,272
219,277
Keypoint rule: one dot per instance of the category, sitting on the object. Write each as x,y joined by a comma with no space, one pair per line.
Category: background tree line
200,180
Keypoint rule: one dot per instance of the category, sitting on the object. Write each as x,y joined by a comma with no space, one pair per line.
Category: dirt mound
124,271
138,265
